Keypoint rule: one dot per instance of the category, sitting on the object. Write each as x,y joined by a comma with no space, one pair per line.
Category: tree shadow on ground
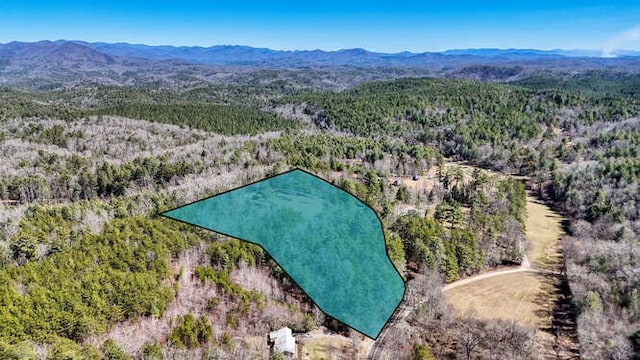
556,302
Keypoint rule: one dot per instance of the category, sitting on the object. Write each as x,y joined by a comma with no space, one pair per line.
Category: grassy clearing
323,345
523,297
326,347
544,228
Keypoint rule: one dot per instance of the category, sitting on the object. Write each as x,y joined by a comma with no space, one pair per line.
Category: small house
282,341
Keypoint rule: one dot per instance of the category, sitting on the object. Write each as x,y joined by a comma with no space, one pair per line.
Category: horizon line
317,49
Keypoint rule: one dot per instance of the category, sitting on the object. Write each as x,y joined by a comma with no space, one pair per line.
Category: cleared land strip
531,294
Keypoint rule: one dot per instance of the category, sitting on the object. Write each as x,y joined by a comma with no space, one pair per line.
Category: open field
512,296
507,294
319,345
516,288
544,228
325,348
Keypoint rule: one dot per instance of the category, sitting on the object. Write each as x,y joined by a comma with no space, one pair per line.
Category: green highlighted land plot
329,242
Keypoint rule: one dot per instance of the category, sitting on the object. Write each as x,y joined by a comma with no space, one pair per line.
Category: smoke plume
626,40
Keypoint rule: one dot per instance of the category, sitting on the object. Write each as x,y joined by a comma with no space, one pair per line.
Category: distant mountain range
67,62
245,55
529,53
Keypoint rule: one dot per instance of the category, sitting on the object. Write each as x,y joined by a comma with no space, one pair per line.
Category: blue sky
330,25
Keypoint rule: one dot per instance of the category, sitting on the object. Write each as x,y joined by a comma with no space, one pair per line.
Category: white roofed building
282,341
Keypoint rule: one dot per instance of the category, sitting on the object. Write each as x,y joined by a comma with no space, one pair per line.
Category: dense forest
84,171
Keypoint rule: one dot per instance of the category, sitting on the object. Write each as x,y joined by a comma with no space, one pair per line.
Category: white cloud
626,40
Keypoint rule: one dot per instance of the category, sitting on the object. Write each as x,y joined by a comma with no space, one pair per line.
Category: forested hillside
576,139
89,271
